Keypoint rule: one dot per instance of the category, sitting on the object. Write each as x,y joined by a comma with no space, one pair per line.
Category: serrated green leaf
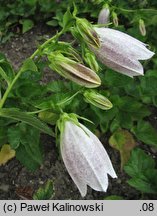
29,65
138,163
145,184
141,169
46,192
27,24
14,134
26,142
25,159
146,133
67,20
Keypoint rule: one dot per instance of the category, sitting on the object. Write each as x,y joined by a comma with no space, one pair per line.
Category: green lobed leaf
141,169
46,192
139,163
14,135
27,24
146,133
25,159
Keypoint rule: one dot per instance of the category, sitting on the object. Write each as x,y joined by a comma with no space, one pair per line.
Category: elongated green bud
97,100
91,61
74,71
115,19
87,32
142,27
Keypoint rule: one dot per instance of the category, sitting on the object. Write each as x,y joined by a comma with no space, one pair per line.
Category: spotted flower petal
85,158
121,52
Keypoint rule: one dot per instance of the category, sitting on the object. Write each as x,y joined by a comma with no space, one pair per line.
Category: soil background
16,179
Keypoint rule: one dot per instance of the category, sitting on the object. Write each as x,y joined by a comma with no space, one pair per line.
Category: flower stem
46,42
10,86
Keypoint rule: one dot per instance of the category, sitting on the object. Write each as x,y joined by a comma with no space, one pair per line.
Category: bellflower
121,52
85,158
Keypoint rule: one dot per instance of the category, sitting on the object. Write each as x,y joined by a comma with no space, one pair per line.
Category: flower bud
87,32
142,27
103,17
115,19
97,100
74,71
91,61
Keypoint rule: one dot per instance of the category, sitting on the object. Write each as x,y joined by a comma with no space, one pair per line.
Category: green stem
46,42
2,101
8,90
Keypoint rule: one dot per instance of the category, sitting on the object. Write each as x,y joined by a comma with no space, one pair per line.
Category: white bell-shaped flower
85,158
121,52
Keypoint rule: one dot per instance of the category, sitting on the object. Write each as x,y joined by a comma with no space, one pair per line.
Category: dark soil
14,177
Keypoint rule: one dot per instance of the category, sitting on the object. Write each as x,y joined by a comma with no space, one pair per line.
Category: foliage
27,106
45,193
141,169
15,15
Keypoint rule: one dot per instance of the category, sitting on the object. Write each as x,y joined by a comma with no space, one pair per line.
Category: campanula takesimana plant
83,154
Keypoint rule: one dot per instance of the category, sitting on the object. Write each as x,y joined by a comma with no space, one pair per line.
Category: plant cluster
115,103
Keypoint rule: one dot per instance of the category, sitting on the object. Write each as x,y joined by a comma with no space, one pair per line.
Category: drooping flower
121,52
74,71
85,158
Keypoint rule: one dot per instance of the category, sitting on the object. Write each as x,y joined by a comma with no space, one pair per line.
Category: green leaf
3,135
14,134
29,65
134,107
30,139
146,133
27,24
48,117
145,184
141,169
46,192
117,80
139,162
26,143
149,85
57,86
25,159
52,22
67,20
6,70
27,118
